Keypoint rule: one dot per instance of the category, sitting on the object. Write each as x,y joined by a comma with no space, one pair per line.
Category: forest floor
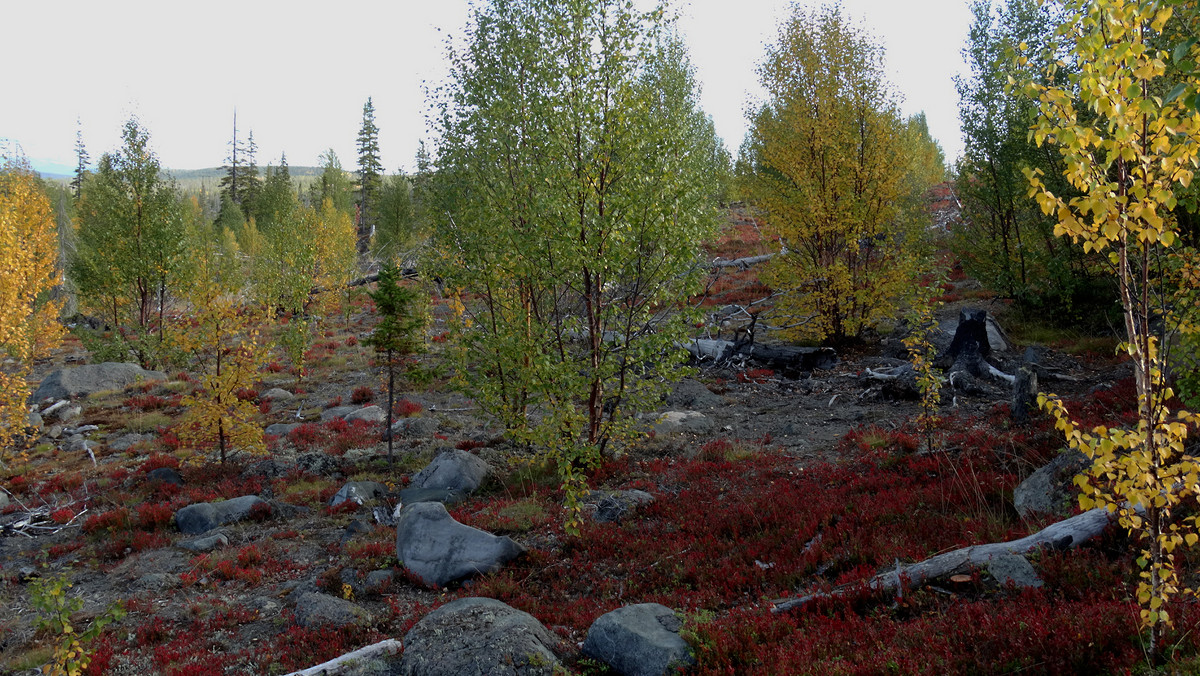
801,484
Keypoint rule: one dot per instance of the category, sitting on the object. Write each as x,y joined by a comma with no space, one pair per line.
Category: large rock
276,394
337,412
456,469
479,637
318,463
638,640
205,516
692,394
127,441
1050,489
446,496
613,506
80,381
415,428
440,550
280,429
360,492
371,414
315,610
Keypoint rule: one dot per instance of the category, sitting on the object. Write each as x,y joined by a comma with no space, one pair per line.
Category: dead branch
1066,534
345,663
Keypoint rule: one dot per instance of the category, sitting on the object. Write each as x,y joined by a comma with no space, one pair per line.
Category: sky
298,73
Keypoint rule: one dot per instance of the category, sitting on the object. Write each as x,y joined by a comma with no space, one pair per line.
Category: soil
804,417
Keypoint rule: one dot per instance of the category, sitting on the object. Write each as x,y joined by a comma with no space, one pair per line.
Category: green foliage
575,185
1004,239
295,339
277,199
838,176
334,184
370,175
921,354
54,608
401,329
130,246
398,230
1126,150
240,184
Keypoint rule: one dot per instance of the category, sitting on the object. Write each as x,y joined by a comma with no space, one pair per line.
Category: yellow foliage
224,340
28,323
830,162
1124,151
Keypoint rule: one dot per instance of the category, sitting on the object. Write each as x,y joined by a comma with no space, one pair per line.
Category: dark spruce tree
240,182
81,160
400,332
370,174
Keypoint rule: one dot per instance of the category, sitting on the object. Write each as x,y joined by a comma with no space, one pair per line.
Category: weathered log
740,263
783,358
350,660
1066,534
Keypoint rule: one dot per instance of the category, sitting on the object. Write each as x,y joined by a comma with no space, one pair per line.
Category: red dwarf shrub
351,341
406,408
362,395
154,516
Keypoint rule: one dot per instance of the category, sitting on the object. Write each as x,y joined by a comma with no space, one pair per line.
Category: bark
338,665
1066,534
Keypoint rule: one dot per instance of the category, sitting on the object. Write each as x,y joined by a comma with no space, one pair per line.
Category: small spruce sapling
400,332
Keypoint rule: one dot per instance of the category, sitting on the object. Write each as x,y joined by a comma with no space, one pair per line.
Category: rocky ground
100,499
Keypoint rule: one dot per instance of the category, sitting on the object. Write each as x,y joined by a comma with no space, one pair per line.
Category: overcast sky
298,73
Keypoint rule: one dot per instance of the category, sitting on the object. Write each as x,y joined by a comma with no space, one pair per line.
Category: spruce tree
370,171
399,333
81,160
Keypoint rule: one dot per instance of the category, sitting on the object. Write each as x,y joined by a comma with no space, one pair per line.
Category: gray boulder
205,544
360,492
612,506
415,428
127,441
280,429
456,469
276,394
692,394
80,381
446,496
166,475
337,412
638,640
1050,489
315,610
205,516
440,550
371,414
479,637
318,463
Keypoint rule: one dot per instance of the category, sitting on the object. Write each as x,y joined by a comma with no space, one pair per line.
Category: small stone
205,544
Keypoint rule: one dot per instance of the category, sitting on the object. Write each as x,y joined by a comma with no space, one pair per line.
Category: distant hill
218,172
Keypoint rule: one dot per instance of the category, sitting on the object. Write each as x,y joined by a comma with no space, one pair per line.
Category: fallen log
783,358
1066,534
337,665
744,263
